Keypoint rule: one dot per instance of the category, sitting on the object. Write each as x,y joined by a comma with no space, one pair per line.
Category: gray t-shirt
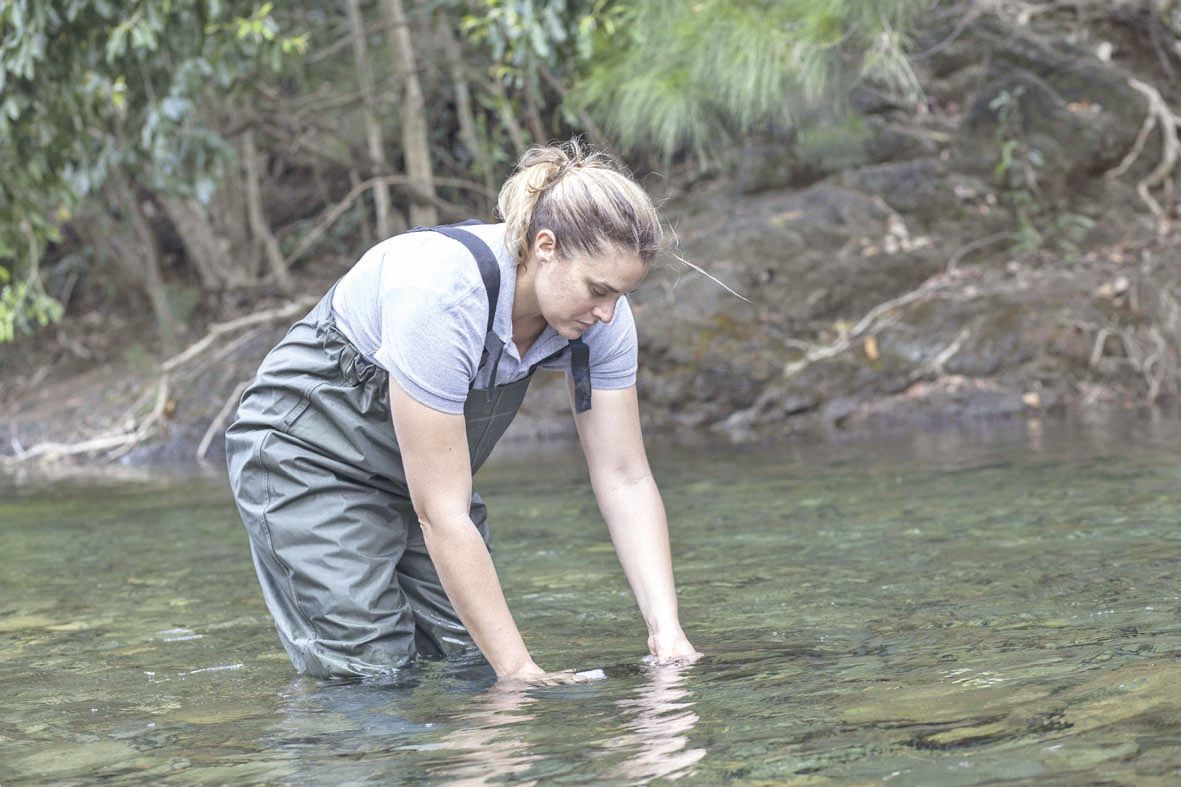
415,305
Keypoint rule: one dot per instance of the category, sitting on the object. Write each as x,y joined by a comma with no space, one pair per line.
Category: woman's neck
528,324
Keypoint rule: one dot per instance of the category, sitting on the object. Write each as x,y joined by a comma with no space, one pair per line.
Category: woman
352,454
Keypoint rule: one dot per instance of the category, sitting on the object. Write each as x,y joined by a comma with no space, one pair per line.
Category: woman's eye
597,292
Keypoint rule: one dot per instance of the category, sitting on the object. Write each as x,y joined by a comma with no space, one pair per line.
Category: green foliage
524,39
1171,16
1018,161
666,75
23,304
1039,226
89,85
524,36
700,73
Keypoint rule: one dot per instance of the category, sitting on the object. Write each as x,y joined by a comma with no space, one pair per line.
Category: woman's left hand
672,647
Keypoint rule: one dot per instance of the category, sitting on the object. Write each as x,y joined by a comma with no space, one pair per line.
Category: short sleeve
432,337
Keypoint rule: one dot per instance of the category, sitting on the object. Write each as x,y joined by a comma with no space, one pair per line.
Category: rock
776,164
966,736
1078,112
895,142
911,187
78,760
793,160
1078,755
946,402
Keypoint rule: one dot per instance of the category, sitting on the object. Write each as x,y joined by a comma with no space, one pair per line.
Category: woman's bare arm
438,470
631,505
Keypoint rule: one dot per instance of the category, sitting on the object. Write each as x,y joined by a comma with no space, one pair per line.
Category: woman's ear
545,246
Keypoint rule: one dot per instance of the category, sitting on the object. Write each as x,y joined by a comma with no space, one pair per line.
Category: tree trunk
145,265
220,254
415,132
381,192
463,105
505,107
260,228
366,230
533,113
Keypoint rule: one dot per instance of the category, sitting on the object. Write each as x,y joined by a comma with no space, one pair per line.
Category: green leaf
117,43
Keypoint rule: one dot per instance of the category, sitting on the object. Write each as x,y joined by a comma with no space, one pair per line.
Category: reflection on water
941,611
485,742
658,720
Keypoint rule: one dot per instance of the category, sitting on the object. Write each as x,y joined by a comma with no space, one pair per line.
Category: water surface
940,610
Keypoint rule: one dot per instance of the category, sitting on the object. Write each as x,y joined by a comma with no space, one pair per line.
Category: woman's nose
605,312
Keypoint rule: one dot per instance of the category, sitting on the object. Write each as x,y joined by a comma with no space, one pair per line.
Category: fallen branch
946,354
219,420
975,245
1097,348
1152,358
874,320
53,450
284,312
117,443
450,211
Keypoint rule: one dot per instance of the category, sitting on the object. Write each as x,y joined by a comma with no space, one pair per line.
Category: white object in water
591,674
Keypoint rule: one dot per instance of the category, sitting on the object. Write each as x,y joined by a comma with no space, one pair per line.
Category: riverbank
985,261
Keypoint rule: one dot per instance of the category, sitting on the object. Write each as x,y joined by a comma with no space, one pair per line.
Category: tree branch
450,211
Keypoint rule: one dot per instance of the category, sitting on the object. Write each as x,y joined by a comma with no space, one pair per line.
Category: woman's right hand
533,675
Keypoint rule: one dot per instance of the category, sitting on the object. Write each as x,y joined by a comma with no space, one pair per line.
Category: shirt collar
549,341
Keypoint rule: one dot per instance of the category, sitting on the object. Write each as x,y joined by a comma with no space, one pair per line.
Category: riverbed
941,610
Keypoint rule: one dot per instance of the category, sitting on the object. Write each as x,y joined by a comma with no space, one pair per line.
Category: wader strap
580,368
489,267
490,273
493,347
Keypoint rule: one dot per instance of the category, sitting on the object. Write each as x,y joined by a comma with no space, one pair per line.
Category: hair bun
583,197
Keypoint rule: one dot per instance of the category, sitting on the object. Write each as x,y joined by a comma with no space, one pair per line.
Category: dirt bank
985,259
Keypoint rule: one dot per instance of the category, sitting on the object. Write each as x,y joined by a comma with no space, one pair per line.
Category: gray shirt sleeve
433,319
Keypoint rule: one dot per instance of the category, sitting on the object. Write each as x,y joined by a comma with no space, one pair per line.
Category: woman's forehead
619,271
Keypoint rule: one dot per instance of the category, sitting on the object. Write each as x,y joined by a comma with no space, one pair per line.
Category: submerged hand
671,648
534,675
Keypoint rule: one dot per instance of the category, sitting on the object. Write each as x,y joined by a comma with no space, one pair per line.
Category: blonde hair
584,198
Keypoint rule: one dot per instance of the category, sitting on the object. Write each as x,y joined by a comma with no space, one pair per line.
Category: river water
940,610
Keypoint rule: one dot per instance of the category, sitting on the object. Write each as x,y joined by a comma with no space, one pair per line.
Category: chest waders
318,479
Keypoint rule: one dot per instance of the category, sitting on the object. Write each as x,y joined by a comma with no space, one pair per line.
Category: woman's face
577,291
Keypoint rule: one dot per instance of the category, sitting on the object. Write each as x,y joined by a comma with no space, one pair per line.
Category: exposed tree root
876,319
1148,348
132,432
1159,115
1146,351
107,442
976,245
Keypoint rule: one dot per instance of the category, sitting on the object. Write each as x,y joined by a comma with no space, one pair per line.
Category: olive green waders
319,482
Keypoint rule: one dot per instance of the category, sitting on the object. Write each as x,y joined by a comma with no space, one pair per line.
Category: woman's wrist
522,672
517,667
663,623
